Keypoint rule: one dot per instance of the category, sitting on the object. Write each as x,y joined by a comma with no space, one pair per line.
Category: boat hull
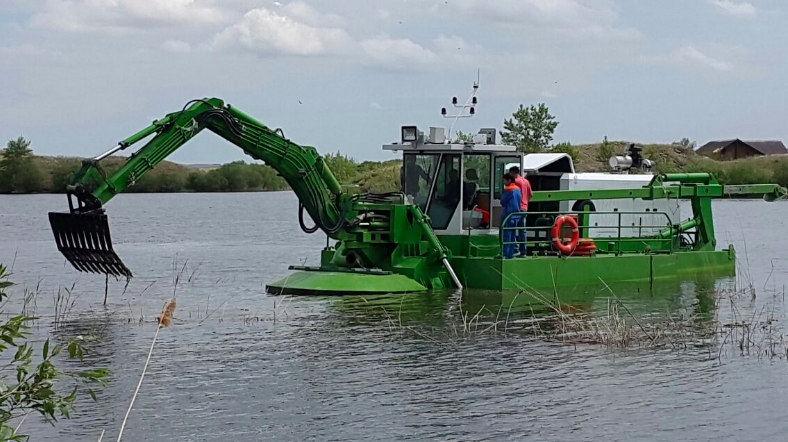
551,272
316,281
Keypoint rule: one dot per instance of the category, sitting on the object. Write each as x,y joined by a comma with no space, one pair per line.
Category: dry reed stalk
163,321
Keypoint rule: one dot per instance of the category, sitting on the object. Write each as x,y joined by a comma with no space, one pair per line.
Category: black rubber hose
306,229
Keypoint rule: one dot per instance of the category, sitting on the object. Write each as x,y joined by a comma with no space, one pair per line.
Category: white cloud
736,9
376,106
401,54
177,46
398,54
689,56
582,18
298,29
120,16
268,32
306,14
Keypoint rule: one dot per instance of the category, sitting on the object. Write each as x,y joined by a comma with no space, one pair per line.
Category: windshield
447,192
416,176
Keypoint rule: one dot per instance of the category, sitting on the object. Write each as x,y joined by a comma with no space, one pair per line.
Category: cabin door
501,165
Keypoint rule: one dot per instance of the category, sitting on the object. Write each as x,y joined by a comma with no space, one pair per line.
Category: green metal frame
372,231
377,232
699,188
623,243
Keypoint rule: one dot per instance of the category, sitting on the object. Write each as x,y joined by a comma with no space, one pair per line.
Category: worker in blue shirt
510,203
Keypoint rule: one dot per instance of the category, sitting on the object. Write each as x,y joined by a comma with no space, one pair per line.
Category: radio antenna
470,105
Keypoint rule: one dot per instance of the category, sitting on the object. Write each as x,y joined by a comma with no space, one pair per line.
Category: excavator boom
368,227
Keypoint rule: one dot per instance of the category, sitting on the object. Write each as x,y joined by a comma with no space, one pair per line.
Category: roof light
410,134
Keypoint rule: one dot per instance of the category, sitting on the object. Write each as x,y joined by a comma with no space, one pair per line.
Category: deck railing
615,244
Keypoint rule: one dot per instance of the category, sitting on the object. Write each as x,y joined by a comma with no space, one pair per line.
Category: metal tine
84,252
103,259
106,239
93,231
104,242
63,237
70,244
85,241
96,253
78,224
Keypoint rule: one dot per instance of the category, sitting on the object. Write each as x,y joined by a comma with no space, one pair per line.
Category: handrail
660,238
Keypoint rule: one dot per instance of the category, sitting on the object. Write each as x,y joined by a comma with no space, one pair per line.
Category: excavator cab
457,184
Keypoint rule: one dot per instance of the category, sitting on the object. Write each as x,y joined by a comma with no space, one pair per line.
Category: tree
63,173
530,129
18,170
686,144
463,138
606,151
567,148
343,167
28,386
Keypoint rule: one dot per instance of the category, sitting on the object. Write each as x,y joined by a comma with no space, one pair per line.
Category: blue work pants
510,236
522,237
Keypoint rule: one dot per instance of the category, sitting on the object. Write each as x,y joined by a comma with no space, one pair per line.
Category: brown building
735,149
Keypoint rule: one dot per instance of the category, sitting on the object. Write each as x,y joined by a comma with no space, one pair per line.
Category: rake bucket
84,239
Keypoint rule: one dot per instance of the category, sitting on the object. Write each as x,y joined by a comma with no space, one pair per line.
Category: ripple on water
379,368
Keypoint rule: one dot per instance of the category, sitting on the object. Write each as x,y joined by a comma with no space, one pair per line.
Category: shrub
606,150
30,382
781,173
567,148
748,174
18,172
63,173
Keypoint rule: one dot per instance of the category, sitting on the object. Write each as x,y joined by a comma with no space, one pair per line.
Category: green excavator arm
373,231
302,167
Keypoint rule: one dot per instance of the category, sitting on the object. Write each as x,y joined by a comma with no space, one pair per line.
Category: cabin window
446,193
416,176
476,191
502,164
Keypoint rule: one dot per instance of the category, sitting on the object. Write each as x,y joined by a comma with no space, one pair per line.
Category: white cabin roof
535,162
595,176
430,147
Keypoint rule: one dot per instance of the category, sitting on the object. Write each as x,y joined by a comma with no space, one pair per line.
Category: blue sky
76,76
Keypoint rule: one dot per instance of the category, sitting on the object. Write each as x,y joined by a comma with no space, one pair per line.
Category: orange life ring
585,247
565,249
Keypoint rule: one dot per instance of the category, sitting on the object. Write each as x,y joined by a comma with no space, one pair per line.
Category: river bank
383,176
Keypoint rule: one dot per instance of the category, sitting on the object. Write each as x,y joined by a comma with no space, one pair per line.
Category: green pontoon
442,230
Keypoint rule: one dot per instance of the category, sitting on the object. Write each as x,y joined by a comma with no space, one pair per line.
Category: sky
77,76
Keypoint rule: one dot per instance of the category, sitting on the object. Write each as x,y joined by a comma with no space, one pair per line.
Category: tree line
23,172
530,129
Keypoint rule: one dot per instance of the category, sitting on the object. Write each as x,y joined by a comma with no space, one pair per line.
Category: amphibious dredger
443,230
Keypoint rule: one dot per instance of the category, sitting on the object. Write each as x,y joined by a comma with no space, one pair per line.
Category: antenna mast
470,105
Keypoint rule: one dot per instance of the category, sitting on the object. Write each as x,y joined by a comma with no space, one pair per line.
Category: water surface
240,365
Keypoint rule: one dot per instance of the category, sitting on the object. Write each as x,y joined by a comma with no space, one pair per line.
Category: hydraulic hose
309,230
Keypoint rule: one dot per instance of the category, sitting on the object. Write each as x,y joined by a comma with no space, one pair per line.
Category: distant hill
203,166
671,158
373,176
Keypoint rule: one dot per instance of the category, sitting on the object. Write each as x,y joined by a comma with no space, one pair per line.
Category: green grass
671,158
373,176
